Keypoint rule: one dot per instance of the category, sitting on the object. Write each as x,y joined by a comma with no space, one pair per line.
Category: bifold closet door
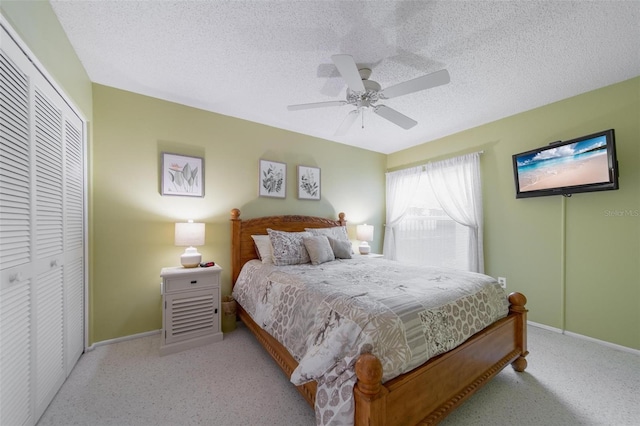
42,220
48,342
16,390
74,244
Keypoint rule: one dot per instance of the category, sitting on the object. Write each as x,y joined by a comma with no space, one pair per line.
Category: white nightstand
190,308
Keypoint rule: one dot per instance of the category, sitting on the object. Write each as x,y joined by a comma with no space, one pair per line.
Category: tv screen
583,164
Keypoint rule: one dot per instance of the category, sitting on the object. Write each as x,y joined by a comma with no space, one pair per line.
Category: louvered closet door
42,221
73,241
15,240
48,289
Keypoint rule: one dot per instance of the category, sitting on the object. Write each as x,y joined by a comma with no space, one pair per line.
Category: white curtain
401,188
457,186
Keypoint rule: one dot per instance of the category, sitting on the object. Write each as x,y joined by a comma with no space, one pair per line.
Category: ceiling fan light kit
364,94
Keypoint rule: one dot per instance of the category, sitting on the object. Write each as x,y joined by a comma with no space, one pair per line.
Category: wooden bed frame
424,395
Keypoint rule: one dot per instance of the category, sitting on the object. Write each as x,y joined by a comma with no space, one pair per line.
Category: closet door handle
194,282
53,263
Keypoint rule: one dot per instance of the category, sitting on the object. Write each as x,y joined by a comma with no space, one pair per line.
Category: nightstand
190,308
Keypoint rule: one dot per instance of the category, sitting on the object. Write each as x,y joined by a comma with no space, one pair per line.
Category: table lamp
190,234
364,233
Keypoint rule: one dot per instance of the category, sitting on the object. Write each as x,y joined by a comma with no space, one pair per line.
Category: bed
423,395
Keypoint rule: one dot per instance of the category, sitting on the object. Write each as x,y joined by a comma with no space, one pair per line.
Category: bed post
517,301
370,395
235,251
341,219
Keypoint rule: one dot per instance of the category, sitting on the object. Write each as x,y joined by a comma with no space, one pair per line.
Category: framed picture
272,179
308,183
182,175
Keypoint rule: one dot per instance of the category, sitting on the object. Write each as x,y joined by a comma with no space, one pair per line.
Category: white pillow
263,247
288,247
319,249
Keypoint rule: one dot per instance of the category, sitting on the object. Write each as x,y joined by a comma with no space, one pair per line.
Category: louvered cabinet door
191,314
191,308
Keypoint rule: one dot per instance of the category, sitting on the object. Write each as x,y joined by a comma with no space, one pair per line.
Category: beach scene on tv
579,163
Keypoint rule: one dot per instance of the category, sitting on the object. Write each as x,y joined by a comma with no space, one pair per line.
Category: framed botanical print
182,175
272,179
308,183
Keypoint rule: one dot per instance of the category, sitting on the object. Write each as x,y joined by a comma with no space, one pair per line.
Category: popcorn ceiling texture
250,59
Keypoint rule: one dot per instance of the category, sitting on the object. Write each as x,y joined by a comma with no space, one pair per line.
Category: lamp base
364,248
190,258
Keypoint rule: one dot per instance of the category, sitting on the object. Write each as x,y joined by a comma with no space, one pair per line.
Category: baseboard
121,339
543,326
531,323
583,337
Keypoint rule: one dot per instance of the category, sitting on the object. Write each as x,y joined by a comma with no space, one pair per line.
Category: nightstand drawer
189,283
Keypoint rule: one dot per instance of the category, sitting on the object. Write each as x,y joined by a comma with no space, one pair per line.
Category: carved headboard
242,246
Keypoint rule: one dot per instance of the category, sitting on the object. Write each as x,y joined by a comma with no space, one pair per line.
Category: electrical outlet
502,281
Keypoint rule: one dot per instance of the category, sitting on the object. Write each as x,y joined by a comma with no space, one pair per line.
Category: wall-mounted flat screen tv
584,164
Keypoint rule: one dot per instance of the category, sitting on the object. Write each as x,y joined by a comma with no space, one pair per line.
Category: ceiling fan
365,94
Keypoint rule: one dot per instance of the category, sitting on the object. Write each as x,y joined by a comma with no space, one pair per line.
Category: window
427,235
434,214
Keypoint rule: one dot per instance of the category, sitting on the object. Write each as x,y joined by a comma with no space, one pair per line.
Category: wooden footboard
424,395
430,392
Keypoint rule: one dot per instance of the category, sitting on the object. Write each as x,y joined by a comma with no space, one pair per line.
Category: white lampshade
364,233
190,234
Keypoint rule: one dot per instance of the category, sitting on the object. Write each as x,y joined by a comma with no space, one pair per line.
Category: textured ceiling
250,59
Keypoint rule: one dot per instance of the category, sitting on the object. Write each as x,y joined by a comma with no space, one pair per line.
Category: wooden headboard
242,246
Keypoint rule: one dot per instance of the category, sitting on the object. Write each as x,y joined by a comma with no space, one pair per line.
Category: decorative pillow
337,232
319,249
341,249
263,247
288,247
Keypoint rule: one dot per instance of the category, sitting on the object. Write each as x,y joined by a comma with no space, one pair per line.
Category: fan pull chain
362,115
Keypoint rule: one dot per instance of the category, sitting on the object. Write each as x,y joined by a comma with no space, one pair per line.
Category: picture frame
308,183
182,175
272,179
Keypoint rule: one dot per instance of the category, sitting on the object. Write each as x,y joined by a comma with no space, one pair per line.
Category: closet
42,235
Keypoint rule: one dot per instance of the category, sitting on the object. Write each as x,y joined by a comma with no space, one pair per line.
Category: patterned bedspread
327,315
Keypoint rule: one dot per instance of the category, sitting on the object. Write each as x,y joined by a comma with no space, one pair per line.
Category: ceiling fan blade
428,81
347,122
395,117
349,71
316,105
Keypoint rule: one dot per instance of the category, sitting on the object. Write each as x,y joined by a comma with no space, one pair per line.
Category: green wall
133,223
38,26
131,226
589,244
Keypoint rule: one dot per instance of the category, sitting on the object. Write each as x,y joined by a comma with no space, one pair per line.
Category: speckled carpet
569,381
